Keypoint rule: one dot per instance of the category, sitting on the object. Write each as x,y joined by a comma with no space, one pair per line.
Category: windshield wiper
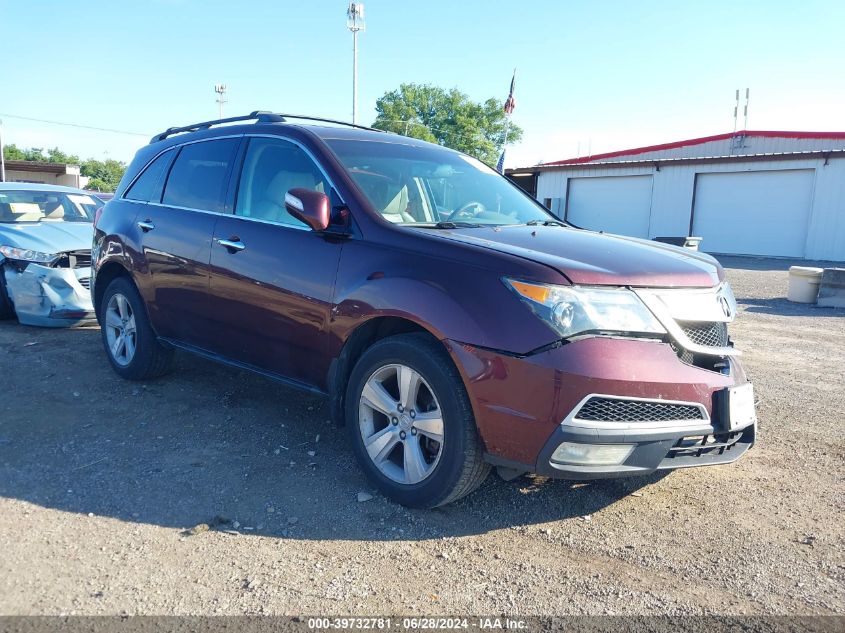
544,223
450,225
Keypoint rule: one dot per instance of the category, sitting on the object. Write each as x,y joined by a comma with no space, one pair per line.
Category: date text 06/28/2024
415,623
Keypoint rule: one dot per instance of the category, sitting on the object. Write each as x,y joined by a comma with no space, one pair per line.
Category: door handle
146,226
233,245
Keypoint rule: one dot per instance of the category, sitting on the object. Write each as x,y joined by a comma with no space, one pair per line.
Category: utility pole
355,22
220,89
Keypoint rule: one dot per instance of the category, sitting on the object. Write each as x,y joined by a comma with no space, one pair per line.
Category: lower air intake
600,409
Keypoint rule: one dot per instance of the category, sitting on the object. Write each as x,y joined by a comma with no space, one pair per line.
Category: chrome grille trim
675,308
686,411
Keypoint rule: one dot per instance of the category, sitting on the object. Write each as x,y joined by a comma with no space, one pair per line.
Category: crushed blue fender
50,297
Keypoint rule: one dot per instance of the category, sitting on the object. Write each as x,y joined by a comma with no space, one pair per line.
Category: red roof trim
697,141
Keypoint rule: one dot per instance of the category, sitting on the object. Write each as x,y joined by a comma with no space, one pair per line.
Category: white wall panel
614,204
754,213
826,238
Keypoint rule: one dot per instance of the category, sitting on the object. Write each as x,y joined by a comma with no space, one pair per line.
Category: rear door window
148,185
199,175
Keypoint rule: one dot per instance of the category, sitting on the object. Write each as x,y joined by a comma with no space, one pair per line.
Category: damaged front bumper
603,407
49,297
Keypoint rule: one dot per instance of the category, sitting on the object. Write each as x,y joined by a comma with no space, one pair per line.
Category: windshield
47,206
425,185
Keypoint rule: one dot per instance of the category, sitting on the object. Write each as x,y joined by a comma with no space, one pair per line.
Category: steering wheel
466,211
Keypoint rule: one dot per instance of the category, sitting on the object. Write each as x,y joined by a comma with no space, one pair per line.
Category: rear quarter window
148,185
199,175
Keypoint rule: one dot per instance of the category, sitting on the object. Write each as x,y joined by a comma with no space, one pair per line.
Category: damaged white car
45,254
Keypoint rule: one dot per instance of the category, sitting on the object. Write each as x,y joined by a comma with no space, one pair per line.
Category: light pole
220,89
355,23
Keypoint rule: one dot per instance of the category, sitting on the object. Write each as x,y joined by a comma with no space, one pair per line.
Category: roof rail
335,121
260,116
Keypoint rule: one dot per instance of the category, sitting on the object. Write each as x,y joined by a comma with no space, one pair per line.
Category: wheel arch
359,340
107,273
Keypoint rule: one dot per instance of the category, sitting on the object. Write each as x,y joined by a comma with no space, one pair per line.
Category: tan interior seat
28,216
55,211
396,210
272,204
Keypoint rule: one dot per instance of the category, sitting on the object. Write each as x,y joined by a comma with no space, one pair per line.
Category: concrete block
832,288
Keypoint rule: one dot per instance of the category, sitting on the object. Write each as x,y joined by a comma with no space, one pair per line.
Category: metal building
747,193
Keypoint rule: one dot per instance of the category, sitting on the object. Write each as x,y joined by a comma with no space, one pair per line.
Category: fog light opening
592,454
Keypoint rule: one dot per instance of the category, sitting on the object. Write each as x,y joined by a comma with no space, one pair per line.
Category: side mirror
309,206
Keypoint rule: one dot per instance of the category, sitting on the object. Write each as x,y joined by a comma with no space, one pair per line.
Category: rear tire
408,463
130,343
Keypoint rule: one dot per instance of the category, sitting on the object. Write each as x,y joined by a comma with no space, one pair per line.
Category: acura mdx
452,322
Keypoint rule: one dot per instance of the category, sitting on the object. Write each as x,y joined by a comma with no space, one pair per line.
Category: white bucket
804,284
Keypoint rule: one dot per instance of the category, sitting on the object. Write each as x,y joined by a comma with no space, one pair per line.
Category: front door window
272,167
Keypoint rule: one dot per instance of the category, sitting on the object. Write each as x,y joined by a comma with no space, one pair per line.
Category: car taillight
97,215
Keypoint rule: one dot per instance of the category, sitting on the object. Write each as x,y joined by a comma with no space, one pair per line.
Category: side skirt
290,382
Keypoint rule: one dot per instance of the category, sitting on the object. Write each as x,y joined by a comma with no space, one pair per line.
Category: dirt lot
99,478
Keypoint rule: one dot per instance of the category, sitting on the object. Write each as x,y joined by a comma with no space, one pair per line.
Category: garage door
615,204
754,213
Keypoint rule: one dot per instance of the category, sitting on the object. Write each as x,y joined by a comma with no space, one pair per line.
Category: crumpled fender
49,297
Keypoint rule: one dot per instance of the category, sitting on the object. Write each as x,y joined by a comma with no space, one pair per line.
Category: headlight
27,255
571,310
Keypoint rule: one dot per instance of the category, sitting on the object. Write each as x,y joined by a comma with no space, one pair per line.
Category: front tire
411,423
131,345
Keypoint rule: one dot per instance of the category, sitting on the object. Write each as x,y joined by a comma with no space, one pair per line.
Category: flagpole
508,114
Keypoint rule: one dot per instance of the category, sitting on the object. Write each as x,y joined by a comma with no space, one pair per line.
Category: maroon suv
452,322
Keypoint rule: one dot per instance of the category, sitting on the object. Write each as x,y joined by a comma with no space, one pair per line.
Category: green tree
104,175
96,184
13,152
56,155
450,118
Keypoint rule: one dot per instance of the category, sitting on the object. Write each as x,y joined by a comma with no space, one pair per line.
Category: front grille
80,259
612,410
712,334
74,259
85,282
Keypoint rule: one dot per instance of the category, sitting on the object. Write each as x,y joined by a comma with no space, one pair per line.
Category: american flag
510,102
500,166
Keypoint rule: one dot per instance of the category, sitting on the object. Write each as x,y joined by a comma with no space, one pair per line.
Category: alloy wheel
401,424
121,334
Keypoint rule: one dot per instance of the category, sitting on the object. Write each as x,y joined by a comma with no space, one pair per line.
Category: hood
48,237
585,257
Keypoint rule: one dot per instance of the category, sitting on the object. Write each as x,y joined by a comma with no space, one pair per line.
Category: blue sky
599,75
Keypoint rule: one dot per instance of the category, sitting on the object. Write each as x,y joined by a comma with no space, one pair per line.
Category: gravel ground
101,478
